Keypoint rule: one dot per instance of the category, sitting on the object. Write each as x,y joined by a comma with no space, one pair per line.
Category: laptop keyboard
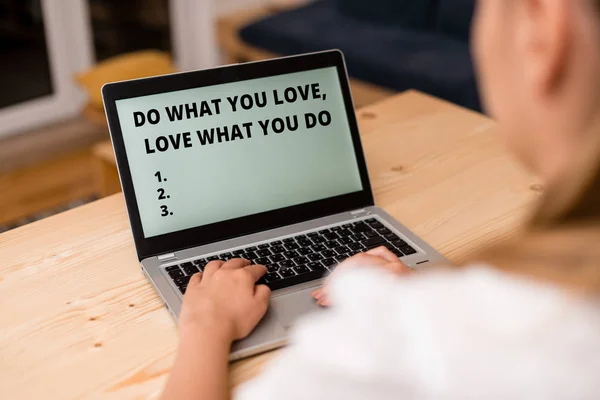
305,257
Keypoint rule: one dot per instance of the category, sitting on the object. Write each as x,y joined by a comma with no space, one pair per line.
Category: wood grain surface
79,320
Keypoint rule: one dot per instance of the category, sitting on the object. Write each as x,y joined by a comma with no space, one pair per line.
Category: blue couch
397,44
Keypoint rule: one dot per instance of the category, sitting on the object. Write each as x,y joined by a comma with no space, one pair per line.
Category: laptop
261,161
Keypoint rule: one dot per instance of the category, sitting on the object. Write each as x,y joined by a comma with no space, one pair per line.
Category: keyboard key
390,237
238,252
300,237
331,236
226,256
291,254
360,227
332,244
370,234
286,273
328,262
298,279
340,258
355,246
191,269
399,243
374,242
314,257
408,250
344,233
371,220
182,289
185,264
291,246
277,249
249,256
316,266
301,260
201,261
172,268
305,242
383,231
398,253
318,239
317,248
304,251
176,273
323,231
276,243
212,258
287,264
272,267
272,277
262,261
313,234
263,252
277,257
250,249
376,225
289,240
301,270
358,237
182,281
342,250
264,246
346,241
335,228
201,267
328,253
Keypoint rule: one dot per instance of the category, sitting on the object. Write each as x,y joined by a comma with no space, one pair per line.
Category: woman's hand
225,300
380,257
221,305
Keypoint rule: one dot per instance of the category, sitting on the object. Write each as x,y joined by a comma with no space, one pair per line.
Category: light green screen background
222,181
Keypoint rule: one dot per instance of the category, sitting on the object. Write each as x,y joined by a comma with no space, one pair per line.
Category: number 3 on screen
165,211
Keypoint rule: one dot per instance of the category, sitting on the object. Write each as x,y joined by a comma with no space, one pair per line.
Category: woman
521,320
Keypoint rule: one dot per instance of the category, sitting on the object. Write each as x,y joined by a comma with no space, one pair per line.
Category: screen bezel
202,235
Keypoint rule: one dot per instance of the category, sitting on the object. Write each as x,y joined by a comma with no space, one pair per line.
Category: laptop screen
215,153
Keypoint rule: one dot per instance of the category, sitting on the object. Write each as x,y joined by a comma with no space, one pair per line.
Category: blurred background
55,152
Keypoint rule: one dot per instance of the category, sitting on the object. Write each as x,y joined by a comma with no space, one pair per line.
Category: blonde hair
560,244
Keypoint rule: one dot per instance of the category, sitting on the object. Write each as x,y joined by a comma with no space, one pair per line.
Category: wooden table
79,320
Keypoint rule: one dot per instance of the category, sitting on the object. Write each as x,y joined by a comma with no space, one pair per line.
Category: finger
399,268
262,293
196,278
236,263
316,293
363,260
213,267
262,297
324,302
256,271
384,253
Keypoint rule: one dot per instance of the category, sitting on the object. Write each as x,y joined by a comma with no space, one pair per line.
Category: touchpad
290,307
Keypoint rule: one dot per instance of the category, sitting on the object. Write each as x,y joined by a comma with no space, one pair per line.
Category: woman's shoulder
450,327
457,333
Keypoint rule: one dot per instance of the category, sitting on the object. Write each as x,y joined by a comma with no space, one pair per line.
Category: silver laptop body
317,244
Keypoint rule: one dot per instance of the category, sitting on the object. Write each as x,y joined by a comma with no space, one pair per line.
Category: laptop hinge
167,257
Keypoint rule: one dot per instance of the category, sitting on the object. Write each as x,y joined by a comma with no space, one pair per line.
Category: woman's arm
201,367
221,305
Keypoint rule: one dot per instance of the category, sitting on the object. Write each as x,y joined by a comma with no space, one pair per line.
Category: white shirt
461,334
